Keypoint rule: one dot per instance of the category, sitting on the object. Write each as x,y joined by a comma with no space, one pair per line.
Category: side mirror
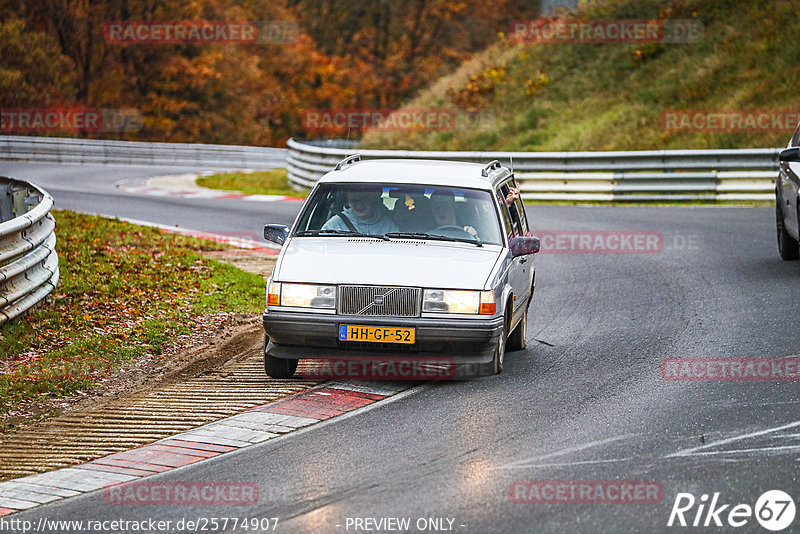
790,154
523,245
277,233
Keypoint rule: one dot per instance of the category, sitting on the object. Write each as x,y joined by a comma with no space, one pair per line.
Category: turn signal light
487,306
274,294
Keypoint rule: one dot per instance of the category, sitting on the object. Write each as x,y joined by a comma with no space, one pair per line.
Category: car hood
335,260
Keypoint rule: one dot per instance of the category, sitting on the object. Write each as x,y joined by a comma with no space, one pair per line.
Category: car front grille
379,301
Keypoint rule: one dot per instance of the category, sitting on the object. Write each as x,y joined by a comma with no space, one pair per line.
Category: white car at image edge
787,199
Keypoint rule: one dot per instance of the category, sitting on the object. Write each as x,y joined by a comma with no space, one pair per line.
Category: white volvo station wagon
404,259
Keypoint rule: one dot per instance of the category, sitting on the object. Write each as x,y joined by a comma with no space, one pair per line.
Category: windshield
400,210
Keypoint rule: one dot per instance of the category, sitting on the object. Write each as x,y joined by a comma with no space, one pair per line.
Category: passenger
366,214
443,205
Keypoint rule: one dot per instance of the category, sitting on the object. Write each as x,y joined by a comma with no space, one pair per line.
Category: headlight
301,295
458,301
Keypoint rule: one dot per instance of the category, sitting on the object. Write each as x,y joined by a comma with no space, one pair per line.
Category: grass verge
273,182
125,292
567,96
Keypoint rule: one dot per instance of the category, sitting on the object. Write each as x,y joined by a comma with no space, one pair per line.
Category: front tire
500,352
787,245
278,367
516,341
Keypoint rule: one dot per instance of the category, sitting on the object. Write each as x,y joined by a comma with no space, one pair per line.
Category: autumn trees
344,54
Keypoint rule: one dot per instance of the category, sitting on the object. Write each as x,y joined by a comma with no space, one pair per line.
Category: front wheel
787,245
500,351
278,367
516,341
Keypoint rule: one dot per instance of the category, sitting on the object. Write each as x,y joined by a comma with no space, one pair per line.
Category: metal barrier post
18,200
6,204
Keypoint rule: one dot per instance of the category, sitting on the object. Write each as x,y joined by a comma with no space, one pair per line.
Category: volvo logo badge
377,301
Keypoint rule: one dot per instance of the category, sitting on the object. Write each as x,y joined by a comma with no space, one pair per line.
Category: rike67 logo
774,510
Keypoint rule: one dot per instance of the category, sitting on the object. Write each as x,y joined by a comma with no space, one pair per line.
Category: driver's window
516,223
519,207
501,198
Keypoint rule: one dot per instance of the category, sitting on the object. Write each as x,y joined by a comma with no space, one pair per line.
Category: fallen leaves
125,293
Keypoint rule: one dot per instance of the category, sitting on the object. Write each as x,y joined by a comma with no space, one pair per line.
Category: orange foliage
347,54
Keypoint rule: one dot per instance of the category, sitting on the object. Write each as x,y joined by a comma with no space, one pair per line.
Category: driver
443,205
366,213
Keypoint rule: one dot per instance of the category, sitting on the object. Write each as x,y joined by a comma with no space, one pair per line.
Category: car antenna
512,163
347,143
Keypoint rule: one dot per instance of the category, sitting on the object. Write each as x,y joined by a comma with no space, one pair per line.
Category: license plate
376,334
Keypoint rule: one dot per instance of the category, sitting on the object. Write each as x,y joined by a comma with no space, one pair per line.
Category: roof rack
349,160
494,164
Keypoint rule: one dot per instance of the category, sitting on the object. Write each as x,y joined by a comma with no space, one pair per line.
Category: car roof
417,171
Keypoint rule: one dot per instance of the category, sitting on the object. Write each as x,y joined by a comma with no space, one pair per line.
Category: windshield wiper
327,231
433,237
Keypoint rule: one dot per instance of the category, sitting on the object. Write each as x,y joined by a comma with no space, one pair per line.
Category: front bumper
298,335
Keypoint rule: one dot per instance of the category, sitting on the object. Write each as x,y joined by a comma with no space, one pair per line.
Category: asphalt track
585,402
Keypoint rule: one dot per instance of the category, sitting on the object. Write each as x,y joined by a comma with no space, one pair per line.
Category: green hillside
611,96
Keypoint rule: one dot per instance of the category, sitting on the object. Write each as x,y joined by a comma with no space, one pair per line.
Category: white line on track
562,452
567,464
694,450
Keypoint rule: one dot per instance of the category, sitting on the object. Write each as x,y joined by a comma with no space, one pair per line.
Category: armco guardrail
93,151
28,259
637,176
